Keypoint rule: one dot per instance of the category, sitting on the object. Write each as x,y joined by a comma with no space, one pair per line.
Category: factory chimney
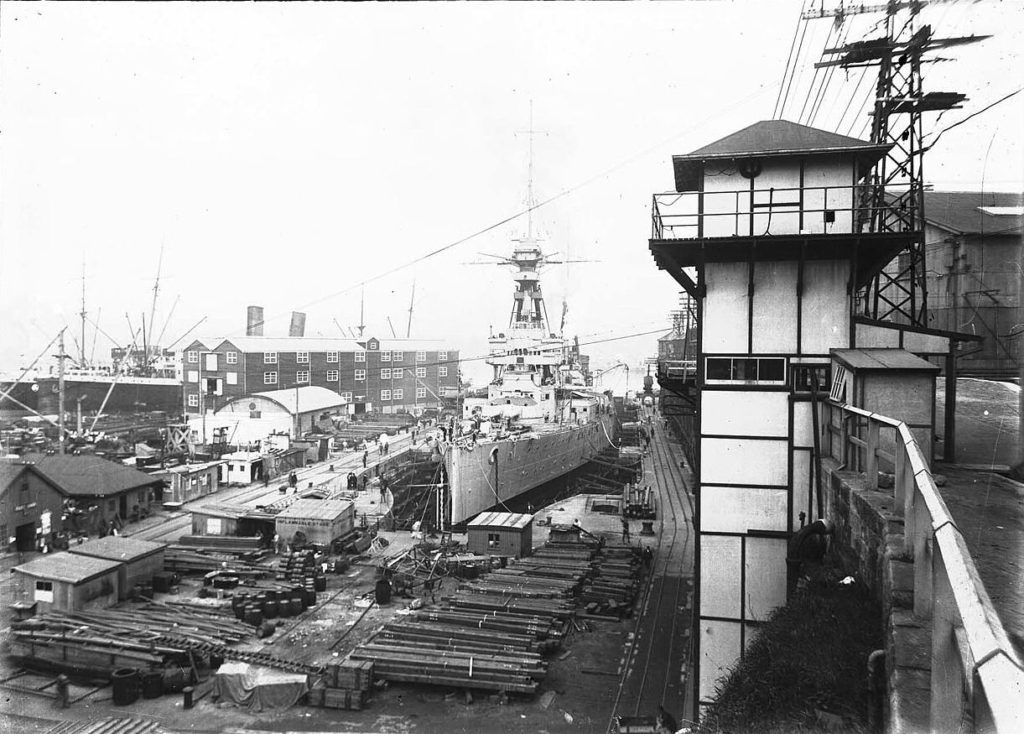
298,326
254,321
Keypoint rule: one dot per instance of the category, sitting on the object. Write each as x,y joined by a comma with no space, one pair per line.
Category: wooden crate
343,698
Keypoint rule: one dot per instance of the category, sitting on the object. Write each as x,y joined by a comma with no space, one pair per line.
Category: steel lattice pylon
894,196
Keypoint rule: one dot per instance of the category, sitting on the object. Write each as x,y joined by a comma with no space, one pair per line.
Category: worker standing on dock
625,530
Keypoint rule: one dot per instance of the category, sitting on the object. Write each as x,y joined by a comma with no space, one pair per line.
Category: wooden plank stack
345,685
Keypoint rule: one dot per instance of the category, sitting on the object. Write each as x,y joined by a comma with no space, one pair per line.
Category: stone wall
868,539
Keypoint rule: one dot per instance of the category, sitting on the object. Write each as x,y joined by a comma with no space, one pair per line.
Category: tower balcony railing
765,212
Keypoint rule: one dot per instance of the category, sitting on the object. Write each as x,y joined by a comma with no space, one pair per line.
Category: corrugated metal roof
117,548
509,520
861,360
109,725
962,212
300,400
311,509
67,567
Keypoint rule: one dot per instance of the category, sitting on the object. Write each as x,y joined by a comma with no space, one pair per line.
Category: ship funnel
298,325
254,321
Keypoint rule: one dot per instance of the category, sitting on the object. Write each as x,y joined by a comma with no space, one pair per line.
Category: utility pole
60,393
362,304
412,299
82,314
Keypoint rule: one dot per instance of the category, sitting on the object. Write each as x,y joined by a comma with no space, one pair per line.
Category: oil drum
270,609
152,684
125,686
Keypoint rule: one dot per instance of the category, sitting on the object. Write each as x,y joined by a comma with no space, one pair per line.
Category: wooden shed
500,534
321,521
68,582
191,481
231,520
139,559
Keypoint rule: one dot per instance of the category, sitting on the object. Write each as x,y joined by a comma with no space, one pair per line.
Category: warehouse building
138,559
67,582
31,506
369,374
507,534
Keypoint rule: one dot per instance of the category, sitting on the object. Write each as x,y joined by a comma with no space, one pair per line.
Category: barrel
253,615
382,592
125,686
152,684
320,583
176,678
298,604
284,608
187,701
270,609
271,594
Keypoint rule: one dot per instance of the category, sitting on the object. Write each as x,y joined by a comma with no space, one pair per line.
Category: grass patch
810,657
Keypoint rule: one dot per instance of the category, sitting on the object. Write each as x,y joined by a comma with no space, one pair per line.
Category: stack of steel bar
454,655
522,584
188,560
638,502
613,589
226,543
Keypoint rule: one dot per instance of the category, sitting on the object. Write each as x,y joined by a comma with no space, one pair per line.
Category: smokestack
298,326
254,321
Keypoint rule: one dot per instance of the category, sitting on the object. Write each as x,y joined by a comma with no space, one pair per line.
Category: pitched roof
313,509
971,212
117,548
86,475
880,358
67,567
778,137
772,139
11,470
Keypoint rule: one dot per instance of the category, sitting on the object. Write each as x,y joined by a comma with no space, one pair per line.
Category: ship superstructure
539,420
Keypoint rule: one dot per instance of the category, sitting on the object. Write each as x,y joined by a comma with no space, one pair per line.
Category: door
123,507
25,537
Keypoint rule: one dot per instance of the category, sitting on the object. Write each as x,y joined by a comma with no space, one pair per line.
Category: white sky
282,153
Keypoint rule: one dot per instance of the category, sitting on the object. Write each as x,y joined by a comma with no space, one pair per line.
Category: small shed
321,521
500,534
139,559
190,481
68,582
890,382
241,467
231,520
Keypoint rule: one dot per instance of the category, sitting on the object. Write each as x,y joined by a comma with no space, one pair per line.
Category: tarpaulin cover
258,688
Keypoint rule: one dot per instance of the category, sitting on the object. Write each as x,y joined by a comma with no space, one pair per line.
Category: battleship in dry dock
539,420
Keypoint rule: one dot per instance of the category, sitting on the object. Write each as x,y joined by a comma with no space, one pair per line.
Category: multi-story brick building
372,375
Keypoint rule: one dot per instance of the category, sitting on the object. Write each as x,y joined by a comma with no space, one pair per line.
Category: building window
360,356
421,371
332,375
193,356
231,357
421,392
192,375
748,370
302,357
360,375
385,356
397,356
385,395
193,400
269,378
346,397
442,356
270,358
421,356
493,539
385,374
397,373
804,374
302,376
231,378
332,356
442,371
398,394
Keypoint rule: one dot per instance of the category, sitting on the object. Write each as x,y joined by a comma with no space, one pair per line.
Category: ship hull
130,394
521,464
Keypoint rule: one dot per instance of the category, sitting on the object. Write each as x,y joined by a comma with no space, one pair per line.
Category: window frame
333,375
270,378
270,358
385,395
385,373
302,358
332,357
230,357
302,377
360,355
192,356
442,371
398,394
359,376
385,355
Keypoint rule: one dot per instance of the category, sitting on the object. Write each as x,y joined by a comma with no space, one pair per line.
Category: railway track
656,661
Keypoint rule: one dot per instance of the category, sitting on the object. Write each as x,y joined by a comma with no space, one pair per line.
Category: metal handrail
750,207
976,675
